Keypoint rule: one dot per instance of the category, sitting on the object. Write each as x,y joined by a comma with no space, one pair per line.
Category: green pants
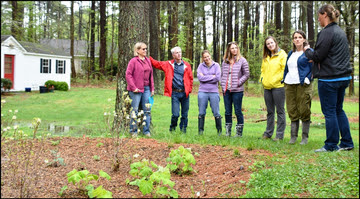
298,101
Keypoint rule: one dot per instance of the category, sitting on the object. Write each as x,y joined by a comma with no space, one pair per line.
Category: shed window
45,65
60,66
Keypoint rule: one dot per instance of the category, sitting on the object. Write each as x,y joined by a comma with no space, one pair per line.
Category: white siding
27,68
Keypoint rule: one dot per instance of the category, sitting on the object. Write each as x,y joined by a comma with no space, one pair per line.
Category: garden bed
219,171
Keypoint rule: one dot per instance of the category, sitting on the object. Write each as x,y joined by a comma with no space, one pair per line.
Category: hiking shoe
148,135
321,150
264,137
345,148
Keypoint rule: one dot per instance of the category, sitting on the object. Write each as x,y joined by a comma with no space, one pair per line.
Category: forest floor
218,171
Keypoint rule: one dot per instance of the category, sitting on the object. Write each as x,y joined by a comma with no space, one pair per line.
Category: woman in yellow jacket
272,72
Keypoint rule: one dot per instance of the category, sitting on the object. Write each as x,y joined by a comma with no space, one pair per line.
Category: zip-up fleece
168,68
239,74
331,54
135,74
272,70
303,65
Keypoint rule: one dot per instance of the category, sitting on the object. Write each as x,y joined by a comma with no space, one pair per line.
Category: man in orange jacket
178,84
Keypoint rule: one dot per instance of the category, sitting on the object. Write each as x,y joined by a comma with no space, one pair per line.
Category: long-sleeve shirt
209,77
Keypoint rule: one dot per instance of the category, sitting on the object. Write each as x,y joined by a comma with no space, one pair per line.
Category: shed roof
38,48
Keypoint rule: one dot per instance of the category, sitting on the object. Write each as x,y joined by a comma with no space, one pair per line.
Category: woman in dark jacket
298,88
331,58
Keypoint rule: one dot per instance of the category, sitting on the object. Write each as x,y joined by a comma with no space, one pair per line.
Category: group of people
285,77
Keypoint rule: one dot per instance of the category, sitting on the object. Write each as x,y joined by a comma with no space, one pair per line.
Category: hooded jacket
272,70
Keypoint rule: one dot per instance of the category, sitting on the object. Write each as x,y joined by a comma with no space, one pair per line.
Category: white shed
30,65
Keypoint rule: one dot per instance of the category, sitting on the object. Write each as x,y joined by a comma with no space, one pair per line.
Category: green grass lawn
293,171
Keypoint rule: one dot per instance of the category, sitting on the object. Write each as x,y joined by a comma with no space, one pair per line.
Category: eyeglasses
232,43
144,49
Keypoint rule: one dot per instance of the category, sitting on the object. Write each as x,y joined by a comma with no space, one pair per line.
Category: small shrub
157,183
180,160
50,83
82,179
57,161
62,86
6,83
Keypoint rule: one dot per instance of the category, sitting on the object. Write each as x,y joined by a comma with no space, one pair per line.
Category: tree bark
103,31
229,29
237,19
310,18
133,27
154,41
92,39
278,15
286,40
73,72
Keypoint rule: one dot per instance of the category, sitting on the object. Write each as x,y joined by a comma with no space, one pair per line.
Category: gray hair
137,46
175,48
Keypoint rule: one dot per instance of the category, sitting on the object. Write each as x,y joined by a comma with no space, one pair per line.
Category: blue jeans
331,96
144,99
235,98
177,99
203,98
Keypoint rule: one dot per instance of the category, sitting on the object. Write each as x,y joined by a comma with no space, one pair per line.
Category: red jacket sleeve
161,65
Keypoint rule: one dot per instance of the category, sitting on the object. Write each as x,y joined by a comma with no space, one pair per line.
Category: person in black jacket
331,66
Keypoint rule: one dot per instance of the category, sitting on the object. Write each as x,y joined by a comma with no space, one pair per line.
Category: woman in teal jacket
298,89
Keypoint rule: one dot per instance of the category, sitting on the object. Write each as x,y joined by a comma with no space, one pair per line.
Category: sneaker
345,148
321,150
148,135
134,135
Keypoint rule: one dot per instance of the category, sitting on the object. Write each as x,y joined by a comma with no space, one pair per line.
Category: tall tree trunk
133,28
265,16
17,19
215,33
174,24
80,32
31,30
204,25
246,5
169,11
257,18
103,31
278,15
190,35
229,29
224,27
310,18
303,15
286,38
154,41
113,68
73,72
237,19
92,39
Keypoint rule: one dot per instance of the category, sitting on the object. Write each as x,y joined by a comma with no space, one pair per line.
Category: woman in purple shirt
140,84
208,74
235,72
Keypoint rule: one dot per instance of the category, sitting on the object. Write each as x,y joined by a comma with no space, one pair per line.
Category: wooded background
118,25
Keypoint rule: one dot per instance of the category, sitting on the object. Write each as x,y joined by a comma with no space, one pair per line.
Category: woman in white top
298,89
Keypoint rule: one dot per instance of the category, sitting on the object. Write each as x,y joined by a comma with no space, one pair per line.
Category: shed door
9,68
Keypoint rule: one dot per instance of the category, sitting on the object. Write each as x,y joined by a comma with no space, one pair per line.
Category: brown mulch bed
219,173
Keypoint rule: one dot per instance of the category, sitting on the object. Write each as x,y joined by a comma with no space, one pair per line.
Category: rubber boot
305,132
201,121
294,131
228,129
239,130
218,125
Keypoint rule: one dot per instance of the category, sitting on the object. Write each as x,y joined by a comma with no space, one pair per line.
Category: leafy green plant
99,144
6,83
180,160
55,143
82,179
57,161
96,157
158,183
